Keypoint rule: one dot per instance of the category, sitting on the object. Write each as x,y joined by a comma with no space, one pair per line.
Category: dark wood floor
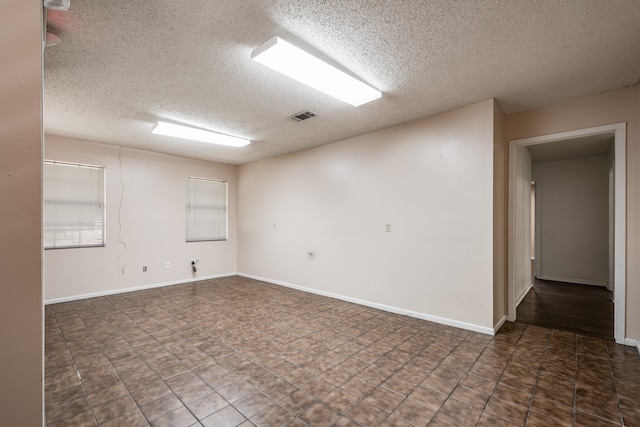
581,309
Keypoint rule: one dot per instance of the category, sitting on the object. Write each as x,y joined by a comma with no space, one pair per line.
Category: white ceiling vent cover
57,4
303,115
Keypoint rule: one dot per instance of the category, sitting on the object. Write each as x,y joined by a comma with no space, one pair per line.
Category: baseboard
632,343
523,294
498,325
573,280
423,316
136,288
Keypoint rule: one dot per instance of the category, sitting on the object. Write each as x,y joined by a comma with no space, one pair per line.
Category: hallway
581,309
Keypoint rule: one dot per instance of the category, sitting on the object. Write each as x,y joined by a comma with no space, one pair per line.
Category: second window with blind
206,210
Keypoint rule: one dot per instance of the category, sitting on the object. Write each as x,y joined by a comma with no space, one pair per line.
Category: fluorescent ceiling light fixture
294,62
185,132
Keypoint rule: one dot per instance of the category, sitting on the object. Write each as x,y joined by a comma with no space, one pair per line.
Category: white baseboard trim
572,280
423,316
133,289
632,343
498,325
523,294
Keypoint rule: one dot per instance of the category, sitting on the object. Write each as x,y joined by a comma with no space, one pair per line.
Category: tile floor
236,351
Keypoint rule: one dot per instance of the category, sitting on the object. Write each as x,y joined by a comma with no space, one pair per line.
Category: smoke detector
303,115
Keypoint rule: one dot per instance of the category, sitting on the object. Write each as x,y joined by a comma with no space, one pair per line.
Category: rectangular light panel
185,132
294,62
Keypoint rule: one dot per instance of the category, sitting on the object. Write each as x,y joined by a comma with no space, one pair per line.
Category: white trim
574,280
619,293
133,289
632,343
423,316
524,293
498,325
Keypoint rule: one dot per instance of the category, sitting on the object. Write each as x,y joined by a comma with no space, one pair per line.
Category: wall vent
303,115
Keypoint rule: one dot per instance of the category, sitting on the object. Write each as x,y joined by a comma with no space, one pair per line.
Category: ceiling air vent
303,115
57,4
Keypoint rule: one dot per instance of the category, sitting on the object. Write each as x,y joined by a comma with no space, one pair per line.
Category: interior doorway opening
534,248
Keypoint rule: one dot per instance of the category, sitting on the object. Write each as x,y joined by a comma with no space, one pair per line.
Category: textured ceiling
123,65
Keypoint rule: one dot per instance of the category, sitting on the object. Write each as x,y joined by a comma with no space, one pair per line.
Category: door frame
620,212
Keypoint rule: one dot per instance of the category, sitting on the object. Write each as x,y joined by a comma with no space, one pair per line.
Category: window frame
225,238
103,208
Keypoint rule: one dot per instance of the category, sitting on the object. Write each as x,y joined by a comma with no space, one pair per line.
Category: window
74,205
206,210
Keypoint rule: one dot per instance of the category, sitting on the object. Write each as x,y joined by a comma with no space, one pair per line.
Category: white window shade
74,205
206,210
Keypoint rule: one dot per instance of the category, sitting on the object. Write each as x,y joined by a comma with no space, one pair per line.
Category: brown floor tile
297,402
358,386
488,420
272,415
384,399
337,376
394,421
398,385
512,395
277,389
588,420
320,414
67,410
536,419
439,384
470,396
161,407
181,380
236,390
507,411
460,412
252,403
133,418
318,388
207,405
244,341
414,413
114,408
341,400
367,415
560,389
180,418
631,418
65,395
153,392
553,409
226,417
520,378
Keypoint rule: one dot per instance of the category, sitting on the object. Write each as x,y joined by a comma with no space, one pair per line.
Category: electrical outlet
388,228
167,265
144,268
274,226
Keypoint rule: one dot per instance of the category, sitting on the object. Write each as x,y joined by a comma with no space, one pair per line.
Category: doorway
520,238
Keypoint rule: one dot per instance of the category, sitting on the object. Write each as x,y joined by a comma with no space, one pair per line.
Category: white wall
152,221
574,222
522,224
431,179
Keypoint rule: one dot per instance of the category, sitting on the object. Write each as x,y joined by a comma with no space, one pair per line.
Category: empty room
318,213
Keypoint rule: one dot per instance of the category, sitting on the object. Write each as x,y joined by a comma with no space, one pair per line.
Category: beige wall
611,107
522,225
431,179
152,224
574,220
20,228
499,217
